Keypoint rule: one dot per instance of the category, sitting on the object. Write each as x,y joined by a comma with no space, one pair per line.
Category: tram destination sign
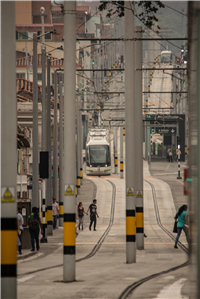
165,130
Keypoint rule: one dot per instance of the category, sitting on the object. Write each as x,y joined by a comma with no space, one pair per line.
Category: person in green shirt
182,223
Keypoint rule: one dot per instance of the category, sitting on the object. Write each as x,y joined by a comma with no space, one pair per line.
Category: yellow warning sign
130,192
69,190
139,194
7,195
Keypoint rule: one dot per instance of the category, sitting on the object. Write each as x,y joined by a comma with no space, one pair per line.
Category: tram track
136,284
99,242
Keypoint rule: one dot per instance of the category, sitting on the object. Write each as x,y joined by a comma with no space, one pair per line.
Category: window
22,35
47,35
20,75
39,76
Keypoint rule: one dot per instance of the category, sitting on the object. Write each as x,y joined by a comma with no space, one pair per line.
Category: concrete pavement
106,274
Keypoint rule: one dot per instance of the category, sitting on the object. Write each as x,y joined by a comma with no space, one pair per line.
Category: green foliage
144,10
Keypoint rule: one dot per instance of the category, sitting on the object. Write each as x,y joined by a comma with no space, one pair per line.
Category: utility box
24,206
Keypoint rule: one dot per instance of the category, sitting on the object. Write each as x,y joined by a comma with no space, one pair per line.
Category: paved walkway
106,274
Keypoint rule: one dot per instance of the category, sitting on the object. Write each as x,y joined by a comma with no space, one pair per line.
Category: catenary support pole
139,144
49,180
35,182
69,240
61,187
78,180
55,140
44,128
8,153
130,137
81,144
121,154
44,143
116,148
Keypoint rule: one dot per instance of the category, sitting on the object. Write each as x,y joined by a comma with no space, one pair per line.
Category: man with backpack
93,214
34,224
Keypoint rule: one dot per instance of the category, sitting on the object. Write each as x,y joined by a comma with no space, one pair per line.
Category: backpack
33,223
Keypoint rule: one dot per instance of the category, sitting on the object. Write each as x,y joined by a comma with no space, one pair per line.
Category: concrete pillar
55,140
8,153
139,142
35,182
69,240
121,154
116,148
61,187
49,181
130,137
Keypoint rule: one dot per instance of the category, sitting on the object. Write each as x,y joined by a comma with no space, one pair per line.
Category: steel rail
136,284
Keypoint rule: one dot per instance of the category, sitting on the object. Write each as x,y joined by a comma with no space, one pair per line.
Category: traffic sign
152,131
166,130
148,116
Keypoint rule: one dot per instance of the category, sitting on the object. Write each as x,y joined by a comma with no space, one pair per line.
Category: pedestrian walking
182,223
169,154
55,208
178,152
34,224
20,230
93,214
80,213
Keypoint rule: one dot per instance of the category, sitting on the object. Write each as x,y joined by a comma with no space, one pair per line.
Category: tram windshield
166,57
99,155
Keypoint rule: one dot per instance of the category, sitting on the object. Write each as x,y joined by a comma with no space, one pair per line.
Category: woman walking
182,223
80,212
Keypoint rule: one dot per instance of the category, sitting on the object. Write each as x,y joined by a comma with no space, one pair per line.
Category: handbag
175,227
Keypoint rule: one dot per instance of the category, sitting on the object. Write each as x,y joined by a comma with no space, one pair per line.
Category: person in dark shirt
93,214
80,212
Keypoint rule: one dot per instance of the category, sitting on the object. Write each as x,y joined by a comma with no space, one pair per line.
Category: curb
22,257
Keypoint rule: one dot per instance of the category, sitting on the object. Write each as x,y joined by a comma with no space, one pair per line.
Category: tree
144,10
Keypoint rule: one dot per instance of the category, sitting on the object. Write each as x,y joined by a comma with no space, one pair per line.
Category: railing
26,86
54,61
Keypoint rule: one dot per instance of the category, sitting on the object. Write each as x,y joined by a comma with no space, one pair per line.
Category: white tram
98,160
166,57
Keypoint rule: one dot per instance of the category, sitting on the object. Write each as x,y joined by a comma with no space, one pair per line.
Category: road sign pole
130,136
8,153
69,232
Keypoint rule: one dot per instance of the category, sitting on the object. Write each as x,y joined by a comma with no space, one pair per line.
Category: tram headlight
106,165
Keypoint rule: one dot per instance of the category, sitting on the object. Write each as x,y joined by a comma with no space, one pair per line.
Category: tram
166,57
98,158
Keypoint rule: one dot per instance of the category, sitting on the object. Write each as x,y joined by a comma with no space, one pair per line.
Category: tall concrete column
130,136
121,154
55,140
174,95
61,187
78,180
8,153
139,144
81,144
35,182
49,181
69,240
116,148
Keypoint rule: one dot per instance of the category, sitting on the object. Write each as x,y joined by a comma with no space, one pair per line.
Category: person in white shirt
20,222
55,209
